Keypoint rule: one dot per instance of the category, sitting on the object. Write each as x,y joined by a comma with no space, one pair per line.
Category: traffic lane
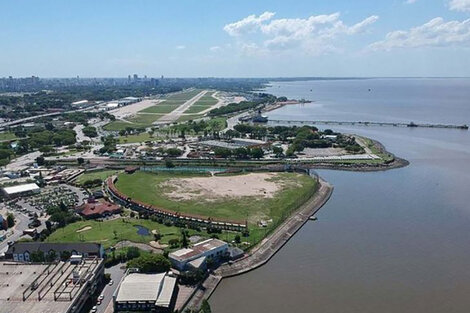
116,275
21,224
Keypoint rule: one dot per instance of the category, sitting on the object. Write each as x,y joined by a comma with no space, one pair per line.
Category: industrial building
196,256
61,287
21,251
145,292
20,190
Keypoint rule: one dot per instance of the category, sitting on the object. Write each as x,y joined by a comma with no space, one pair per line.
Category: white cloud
314,35
248,24
435,33
180,47
460,5
215,48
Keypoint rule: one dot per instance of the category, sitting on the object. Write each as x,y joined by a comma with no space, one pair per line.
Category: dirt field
215,187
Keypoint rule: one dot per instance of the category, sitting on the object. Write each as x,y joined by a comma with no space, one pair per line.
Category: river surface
393,241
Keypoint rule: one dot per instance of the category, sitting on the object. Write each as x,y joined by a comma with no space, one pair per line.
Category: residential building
21,251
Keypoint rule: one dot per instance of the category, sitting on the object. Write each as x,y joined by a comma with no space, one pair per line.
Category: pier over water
362,123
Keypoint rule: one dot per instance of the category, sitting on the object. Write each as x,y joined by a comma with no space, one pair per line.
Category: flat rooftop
21,188
53,284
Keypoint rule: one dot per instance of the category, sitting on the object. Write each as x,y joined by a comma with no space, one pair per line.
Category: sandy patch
83,229
215,187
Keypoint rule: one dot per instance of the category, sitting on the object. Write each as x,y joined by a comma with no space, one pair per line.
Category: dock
367,123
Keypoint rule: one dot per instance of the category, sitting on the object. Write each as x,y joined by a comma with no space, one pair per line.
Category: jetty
367,123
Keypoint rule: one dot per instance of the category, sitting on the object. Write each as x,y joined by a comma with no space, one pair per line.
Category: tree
132,253
173,242
257,153
237,239
80,161
40,160
150,263
169,164
205,307
37,256
277,151
10,220
184,238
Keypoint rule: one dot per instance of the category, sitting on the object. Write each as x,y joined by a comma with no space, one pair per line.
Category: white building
196,256
19,190
145,292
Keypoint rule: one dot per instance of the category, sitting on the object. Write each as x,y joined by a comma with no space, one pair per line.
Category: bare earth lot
215,187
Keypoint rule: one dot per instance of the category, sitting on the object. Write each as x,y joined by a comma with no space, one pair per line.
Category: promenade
267,248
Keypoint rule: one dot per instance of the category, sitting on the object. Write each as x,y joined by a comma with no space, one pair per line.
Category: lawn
117,125
172,102
111,232
95,175
148,187
144,119
142,137
163,107
5,136
202,104
185,118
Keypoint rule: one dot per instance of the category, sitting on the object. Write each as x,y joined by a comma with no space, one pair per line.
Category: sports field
253,197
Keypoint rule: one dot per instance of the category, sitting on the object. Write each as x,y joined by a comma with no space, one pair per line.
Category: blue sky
234,38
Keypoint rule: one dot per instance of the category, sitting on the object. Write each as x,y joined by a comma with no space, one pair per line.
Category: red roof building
99,209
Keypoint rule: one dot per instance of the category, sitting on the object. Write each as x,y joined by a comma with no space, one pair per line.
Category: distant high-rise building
129,78
136,77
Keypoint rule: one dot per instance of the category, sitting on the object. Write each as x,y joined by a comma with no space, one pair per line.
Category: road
22,222
116,275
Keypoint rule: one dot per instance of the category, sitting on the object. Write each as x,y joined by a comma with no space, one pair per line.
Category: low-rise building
145,292
98,209
20,190
196,256
21,251
49,287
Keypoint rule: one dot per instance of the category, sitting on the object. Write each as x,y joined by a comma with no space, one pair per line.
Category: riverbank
267,248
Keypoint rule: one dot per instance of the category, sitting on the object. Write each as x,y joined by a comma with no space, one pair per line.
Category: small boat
313,218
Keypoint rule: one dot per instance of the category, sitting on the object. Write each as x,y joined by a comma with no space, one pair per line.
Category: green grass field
172,102
202,104
163,107
145,119
111,232
95,175
117,125
142,137
148,188
7,136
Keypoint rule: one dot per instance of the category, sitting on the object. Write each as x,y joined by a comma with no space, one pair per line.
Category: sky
235,38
